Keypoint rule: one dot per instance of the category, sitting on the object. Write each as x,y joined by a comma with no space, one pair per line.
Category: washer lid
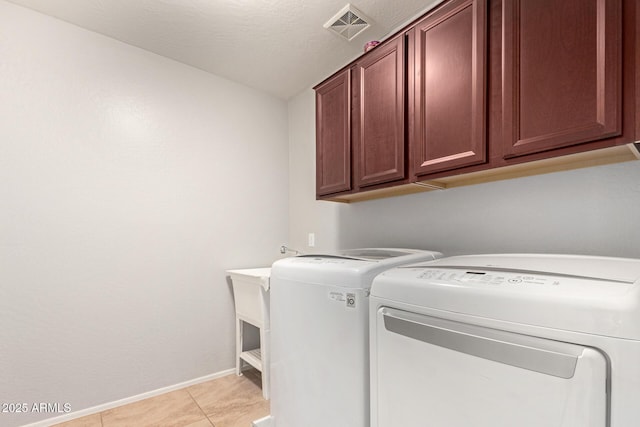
367,254
594,295
352,268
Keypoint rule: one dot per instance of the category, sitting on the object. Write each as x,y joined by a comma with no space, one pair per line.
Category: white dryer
507,340
320,335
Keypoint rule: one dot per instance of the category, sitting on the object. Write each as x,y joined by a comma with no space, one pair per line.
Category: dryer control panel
488,278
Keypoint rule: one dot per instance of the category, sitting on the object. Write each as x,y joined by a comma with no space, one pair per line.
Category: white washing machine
320,335
507,340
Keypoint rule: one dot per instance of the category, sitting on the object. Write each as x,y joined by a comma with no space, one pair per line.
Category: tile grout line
199,407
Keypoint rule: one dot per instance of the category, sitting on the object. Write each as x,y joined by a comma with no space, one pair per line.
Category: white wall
128,184
589,211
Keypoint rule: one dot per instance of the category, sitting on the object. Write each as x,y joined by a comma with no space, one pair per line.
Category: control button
515,280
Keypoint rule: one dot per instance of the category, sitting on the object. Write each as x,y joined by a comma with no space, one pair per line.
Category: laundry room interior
134,179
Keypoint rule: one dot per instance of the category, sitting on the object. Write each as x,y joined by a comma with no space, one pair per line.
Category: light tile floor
230,401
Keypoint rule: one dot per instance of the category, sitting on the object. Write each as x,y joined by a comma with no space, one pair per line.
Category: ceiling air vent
348,23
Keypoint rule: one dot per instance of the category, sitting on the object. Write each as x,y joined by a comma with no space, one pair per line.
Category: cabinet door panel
379,136
333,135
449,93
562,73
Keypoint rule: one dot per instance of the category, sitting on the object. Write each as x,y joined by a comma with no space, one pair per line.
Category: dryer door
428,371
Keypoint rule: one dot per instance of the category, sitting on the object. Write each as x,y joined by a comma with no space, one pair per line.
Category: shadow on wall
588,211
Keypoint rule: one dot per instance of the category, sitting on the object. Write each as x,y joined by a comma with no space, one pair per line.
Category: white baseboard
263,422
110,405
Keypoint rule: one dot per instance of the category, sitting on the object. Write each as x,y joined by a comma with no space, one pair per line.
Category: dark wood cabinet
379,115
333,135
448,94
562,73
481,90
360,123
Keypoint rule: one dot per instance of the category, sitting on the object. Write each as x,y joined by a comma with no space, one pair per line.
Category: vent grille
348,23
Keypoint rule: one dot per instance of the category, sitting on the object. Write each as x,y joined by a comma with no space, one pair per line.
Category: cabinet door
448,95
378,122
562,73
333,135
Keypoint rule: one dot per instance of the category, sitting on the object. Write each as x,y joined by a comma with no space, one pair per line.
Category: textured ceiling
279,46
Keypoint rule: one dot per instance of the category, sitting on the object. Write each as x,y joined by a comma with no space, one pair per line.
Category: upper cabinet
333,135
378,120
361,123
480,90
562,73
448,90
